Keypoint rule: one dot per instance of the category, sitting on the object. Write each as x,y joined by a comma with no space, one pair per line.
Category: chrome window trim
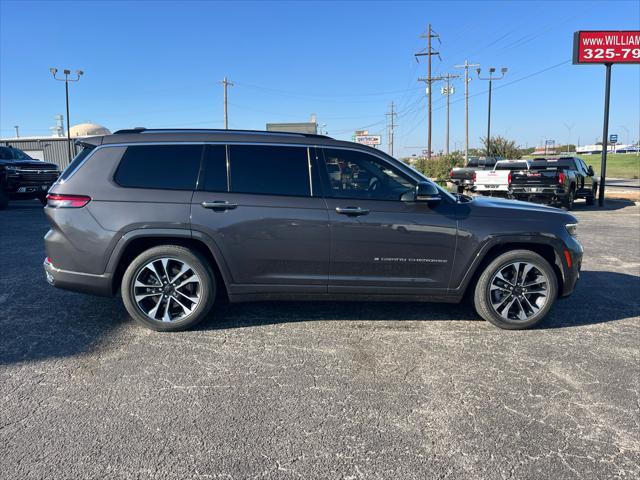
416,176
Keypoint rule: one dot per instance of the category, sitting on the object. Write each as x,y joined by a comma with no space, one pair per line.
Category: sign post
605,47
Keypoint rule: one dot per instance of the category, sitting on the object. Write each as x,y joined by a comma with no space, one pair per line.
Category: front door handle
219,205
352,211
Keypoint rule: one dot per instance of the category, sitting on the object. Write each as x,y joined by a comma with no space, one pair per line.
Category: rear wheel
570,199
4,199
516,290
590,199
168,288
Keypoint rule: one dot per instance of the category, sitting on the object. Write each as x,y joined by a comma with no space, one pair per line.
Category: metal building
49,149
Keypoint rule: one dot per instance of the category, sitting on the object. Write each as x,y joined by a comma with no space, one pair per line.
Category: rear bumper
78,282
541,190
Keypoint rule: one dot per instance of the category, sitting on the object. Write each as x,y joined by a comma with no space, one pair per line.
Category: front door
258,204
380,243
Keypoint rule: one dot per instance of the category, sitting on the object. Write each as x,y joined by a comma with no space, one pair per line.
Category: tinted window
269,169
214,175
359,175
173,167
554,163
75,163
512,166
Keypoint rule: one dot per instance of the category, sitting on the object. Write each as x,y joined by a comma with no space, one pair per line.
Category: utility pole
66,81
491,78
392,125
226,83
429,53
17,127
448,90
568,127
466,106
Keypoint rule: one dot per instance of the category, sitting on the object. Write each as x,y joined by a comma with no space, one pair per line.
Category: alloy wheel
518,291
166,289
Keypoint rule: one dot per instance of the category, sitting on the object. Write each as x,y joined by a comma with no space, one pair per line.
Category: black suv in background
172,218
22,177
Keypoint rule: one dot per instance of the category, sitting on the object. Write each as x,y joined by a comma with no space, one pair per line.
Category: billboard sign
616,46
362,132
370,140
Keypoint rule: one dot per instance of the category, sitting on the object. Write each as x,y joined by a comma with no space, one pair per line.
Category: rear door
258,203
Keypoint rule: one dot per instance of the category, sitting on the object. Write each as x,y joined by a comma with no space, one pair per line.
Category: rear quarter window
75,163
169,167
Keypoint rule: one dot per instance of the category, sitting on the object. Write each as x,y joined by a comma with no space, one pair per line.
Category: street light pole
466,106
569,127
491,78
66,80
17,127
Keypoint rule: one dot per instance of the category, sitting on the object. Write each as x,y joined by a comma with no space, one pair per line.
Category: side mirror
590,171
427,192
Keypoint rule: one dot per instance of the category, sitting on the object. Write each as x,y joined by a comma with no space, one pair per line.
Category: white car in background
498,180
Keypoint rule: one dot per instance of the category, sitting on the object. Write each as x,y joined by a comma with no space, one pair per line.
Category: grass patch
619,165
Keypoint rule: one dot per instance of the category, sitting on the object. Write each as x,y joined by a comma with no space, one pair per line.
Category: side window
172,167
214,174
75,163
272,170
354,174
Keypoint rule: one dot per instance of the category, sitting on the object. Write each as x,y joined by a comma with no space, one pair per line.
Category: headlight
11,169
572,228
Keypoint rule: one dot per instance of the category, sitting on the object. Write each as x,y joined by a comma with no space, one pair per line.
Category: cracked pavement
321,390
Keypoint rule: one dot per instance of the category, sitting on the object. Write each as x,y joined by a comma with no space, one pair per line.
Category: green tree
438,168
502,147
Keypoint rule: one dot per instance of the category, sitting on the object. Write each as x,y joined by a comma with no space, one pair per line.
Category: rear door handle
352,211
219,205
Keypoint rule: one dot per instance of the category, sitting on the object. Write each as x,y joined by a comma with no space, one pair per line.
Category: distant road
623,183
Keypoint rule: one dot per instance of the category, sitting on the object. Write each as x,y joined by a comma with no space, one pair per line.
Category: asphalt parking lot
321,390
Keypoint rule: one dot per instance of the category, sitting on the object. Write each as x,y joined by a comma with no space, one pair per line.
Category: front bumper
571,264
78,282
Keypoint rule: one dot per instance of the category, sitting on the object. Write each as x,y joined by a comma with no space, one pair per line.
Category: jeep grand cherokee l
169,218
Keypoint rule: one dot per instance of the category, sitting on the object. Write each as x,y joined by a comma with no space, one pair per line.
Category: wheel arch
497,248
134,243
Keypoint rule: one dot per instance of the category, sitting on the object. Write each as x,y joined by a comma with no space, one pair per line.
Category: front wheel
168,288
516,290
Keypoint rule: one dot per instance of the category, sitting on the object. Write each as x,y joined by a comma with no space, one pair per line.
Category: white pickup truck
498,180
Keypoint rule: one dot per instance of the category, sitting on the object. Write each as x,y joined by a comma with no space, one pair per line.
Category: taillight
509,178
561,178
474,177
56,200
451,173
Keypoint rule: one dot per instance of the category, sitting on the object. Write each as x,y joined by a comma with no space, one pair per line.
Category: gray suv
173,219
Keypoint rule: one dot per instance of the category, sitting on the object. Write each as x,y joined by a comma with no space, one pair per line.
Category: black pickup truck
22,177
555,181
462,177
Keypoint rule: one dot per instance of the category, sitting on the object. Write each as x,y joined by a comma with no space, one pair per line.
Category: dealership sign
606,47
368,139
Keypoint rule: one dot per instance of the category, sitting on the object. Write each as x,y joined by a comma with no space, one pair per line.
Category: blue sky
158,64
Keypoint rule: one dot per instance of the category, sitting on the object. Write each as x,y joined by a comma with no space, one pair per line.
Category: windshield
553,163
512,166
11,153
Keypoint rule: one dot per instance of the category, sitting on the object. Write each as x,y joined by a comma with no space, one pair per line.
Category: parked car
498,180
462,177
556,181
22,177
173,219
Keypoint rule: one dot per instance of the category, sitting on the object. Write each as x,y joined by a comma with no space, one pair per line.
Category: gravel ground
321,390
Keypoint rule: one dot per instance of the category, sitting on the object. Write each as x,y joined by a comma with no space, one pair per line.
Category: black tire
590,199
482,294
199,265
569,200
4,198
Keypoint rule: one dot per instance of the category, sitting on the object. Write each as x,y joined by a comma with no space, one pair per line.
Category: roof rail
214,130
